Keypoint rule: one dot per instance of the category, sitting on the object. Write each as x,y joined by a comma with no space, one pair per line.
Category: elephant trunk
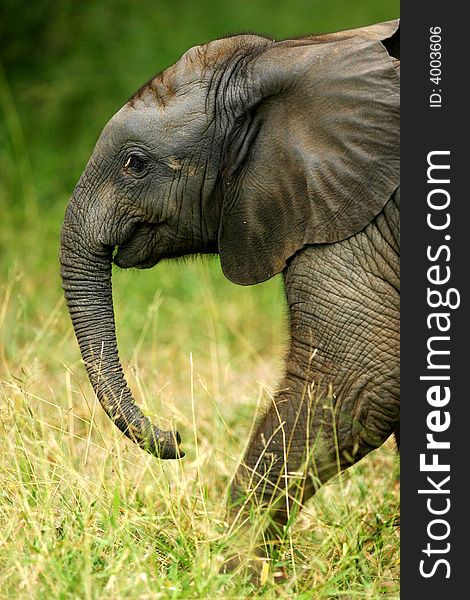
86,277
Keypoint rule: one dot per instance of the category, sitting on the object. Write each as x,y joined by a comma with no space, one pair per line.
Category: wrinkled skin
281,157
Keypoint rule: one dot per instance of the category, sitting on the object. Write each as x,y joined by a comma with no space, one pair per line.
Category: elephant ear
313,155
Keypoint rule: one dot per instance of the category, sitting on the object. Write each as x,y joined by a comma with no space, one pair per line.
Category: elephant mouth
138,251
146,246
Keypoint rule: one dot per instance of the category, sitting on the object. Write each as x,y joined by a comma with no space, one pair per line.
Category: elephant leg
297,447
340,396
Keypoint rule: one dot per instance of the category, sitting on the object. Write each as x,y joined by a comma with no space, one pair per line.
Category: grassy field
84,513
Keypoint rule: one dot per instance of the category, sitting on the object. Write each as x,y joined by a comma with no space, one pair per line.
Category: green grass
83,512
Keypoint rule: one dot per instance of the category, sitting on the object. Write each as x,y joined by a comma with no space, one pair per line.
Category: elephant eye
135,164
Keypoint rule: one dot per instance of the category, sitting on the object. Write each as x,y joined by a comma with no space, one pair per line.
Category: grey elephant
280,156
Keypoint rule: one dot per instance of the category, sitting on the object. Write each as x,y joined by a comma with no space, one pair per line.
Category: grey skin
281,157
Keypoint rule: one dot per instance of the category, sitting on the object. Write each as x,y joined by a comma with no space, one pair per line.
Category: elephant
280,157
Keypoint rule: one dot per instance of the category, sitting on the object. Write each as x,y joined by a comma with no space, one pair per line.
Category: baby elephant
281,156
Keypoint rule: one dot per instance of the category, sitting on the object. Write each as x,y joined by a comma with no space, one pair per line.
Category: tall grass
83,512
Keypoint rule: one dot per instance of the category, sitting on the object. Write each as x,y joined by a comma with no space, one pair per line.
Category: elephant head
246,147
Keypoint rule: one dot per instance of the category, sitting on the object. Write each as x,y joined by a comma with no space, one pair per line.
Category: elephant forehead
133,122
143,122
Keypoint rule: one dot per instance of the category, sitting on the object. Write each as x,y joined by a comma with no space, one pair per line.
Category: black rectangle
434,332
